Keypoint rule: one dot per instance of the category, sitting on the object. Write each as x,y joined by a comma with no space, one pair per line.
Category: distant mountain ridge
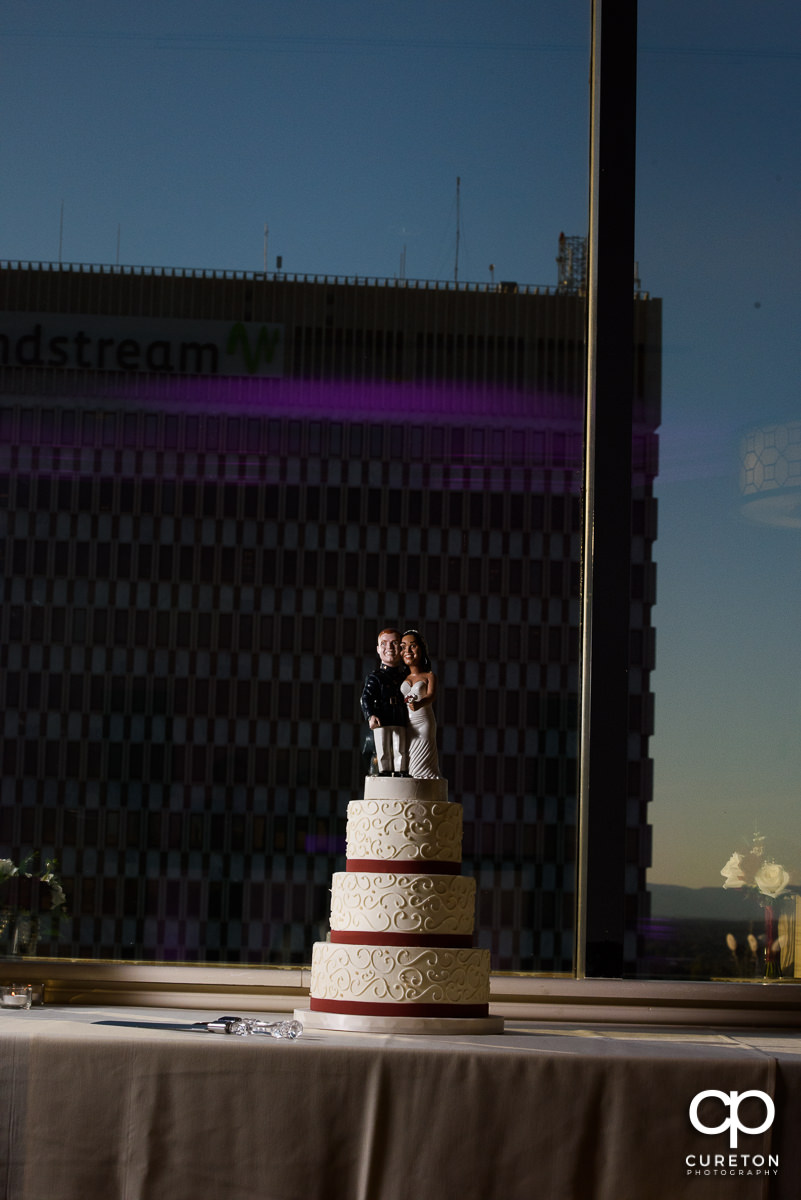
718,903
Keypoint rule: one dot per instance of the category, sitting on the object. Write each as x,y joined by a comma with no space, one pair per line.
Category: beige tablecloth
132,1104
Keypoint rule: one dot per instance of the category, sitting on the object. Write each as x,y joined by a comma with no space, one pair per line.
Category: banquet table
144,1104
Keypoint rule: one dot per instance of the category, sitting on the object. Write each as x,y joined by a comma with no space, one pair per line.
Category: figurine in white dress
419,689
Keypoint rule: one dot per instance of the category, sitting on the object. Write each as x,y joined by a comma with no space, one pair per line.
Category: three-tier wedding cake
400,955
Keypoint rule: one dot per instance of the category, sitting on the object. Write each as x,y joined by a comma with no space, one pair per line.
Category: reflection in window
726,750
210,735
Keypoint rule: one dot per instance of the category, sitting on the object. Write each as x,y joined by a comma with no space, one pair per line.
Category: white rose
732,872
771,879
7,868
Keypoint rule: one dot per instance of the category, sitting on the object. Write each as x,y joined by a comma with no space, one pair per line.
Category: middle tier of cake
402,909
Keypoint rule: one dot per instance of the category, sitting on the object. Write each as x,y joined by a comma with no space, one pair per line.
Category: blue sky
178,130
342,127
719,238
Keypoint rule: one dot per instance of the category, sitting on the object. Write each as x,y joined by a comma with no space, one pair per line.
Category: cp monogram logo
732,1101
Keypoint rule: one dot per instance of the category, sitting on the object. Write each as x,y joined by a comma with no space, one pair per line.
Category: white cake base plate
350,1023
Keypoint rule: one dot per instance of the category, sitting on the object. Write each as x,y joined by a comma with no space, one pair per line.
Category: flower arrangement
754,873
19,926
770,883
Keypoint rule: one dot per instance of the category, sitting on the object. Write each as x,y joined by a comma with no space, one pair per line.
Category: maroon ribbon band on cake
403,866
356,1008
402,939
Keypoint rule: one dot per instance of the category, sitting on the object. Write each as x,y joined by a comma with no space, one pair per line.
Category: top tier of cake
406,825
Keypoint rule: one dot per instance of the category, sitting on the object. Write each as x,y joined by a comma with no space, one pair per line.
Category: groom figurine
384,708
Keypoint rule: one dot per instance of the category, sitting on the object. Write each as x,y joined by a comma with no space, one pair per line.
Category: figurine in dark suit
384,708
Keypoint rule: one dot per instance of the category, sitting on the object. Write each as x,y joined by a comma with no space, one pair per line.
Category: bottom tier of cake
410,981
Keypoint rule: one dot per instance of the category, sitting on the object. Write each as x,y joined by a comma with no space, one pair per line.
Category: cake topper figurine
419,689
384,708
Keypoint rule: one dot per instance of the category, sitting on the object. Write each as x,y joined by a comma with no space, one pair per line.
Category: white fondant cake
402,918
400,975
374,902
392,830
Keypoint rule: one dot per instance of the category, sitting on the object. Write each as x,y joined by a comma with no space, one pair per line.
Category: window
227,749
718,113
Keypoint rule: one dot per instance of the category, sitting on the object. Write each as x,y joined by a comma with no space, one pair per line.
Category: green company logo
267,342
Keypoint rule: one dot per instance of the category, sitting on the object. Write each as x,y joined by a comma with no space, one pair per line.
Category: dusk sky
719,239
343,127
171,134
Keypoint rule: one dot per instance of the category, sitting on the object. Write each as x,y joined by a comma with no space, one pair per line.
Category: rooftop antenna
61,231
458,229
572,263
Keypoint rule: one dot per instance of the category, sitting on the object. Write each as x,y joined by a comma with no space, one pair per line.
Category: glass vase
773,968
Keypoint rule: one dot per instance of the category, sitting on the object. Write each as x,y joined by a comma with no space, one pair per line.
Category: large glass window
198,559
718,238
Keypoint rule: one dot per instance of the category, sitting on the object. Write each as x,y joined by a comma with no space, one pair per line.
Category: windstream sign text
133,344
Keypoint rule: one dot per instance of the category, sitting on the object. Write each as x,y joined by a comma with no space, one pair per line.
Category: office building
217,488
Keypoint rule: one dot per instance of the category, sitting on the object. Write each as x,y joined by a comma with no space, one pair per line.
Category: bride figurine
419,689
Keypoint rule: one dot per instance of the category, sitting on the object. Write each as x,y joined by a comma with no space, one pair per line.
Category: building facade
217,489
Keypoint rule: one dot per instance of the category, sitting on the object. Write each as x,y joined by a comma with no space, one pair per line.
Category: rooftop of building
500,287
